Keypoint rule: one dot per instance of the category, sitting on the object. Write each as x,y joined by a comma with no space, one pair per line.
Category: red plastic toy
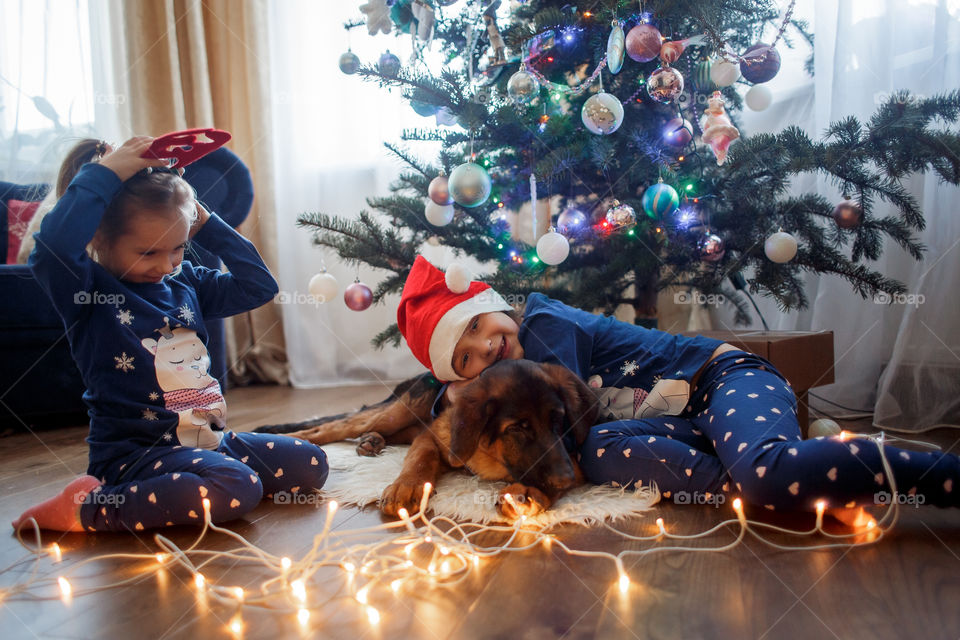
187,146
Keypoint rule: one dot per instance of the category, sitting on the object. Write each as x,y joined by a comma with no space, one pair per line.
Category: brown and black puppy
506,424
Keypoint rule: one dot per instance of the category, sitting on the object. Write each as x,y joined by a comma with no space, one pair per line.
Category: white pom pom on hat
458,278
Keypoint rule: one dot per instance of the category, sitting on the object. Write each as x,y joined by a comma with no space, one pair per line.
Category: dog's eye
521,426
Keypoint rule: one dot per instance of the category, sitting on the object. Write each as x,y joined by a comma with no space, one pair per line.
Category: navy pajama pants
164,486
739,435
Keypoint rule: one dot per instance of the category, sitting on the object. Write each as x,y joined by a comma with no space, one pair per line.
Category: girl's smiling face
150,247
489,337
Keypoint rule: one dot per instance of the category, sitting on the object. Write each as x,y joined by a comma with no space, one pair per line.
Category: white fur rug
359,480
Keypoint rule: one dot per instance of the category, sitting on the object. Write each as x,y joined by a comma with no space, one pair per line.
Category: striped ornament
659,200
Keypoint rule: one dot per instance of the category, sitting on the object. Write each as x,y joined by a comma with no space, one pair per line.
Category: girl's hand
125,160
202,216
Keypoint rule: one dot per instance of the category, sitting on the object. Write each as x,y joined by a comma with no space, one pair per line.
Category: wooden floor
908,585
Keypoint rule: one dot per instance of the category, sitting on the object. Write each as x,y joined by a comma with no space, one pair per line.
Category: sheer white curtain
329,130
900,360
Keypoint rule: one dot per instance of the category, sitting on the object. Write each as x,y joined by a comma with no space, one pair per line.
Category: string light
55,552
387,559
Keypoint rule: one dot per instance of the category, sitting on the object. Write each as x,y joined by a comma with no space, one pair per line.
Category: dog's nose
561,482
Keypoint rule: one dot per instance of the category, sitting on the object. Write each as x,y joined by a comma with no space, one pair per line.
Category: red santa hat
435,309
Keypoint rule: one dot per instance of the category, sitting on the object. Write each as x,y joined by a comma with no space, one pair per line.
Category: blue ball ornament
349,63
389,64
659,200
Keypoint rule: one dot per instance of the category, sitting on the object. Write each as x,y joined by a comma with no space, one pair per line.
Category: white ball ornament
724,73
439,215
602,114
780,247
758,98
823,427
323,286
457,278
553,248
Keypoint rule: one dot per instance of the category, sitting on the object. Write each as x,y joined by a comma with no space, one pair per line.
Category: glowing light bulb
737,504
362,595
624,583
445,567
332,506
206,506
303,616
55,552
428,539
199,580
663,529
285,563
373,616
65,588
349,566
821,505
403,513
299,590
161,558
236,625
395,585
238,593
547,541
444,550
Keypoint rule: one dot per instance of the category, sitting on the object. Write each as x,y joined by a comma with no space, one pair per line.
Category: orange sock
61,512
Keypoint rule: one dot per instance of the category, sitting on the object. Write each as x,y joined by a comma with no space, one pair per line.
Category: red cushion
19,215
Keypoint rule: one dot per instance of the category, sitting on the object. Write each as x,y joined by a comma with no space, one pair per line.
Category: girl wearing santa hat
696,416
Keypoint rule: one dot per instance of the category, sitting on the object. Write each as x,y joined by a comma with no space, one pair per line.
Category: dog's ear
470,417
581,403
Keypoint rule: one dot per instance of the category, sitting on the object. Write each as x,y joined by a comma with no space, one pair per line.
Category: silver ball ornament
553,248
349,63
665,84
439,215
323,287
823,428
602,113
522,87
571,221
621,216
711,248
780,247
389,64
469,185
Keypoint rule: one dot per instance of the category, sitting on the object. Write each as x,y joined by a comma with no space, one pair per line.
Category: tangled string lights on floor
423,551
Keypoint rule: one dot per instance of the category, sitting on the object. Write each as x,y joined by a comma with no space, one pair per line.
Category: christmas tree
621,117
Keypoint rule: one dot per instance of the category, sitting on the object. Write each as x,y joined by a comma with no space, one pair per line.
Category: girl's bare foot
61,512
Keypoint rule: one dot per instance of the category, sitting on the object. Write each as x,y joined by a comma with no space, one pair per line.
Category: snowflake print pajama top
157,417
735,432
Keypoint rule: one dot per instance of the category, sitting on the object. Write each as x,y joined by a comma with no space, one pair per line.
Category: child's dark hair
85,151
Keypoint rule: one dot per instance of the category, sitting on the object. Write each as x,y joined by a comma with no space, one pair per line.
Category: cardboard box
805,358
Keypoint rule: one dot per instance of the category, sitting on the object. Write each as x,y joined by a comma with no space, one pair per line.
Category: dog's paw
401,495
370,443
523,501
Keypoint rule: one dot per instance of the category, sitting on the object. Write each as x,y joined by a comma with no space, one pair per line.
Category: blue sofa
39,383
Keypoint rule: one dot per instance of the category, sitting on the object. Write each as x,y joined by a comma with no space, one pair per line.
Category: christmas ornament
701,78
780,247
571,221
602,113
760,63
718,131
848,214
615,48
621,216
439,215
323,286
439,190
823,428
349,63
522,86
724,73
711,247
671,50
643,43
660,199
497,43
424,16
552,247
665,84
678,132
358,296
457,278
389,64
378,16
758,97
469,185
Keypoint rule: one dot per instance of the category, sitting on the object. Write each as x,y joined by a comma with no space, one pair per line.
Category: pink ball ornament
358,296
678,132
439,191
643,43
760,63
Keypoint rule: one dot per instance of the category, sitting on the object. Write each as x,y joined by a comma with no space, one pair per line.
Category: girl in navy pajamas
134,314
696,415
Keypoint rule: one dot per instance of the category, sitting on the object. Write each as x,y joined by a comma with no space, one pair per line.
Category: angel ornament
718,131
497,43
